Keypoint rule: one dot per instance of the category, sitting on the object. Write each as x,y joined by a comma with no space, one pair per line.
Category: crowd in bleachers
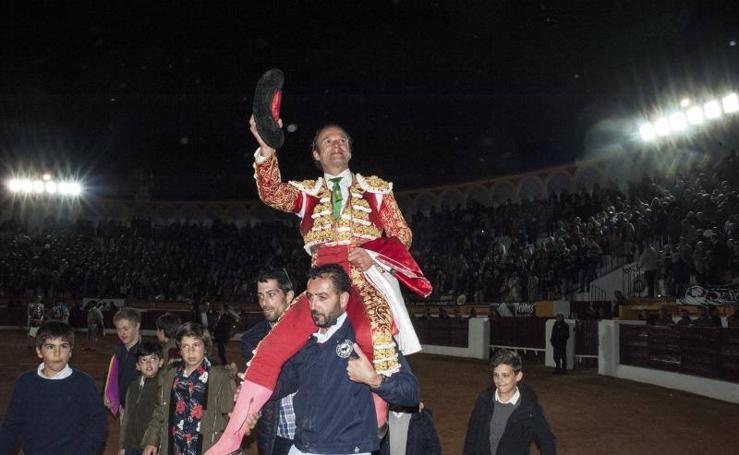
178,261
682,229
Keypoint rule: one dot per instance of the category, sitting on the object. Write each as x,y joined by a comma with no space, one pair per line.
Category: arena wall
609,365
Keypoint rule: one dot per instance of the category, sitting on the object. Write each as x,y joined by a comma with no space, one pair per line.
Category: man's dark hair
336,273
195,330
54,329
148,348
280,276
169,323
504,356
128,313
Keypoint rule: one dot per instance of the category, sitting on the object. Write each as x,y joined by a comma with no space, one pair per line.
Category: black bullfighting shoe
267,97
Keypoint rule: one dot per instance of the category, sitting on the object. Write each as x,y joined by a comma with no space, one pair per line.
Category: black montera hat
267,97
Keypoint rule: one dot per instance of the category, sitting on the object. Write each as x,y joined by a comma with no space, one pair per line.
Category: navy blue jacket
334,414
266,430
526,424
560,334
127,372
64,417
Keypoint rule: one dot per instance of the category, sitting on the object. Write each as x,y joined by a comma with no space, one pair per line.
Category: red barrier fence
706,352
586,337
442,332
523,333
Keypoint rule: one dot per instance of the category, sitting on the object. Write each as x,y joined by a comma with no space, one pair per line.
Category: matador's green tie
336,198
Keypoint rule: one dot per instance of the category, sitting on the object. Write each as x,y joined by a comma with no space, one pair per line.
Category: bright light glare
662,127
50,187
75,189
678,122
646,131
712,109
685,102
695,115
731,103
46,177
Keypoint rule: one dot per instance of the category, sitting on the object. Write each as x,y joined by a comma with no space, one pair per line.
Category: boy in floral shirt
194,399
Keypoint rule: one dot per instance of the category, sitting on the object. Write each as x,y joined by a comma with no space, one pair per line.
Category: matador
351,220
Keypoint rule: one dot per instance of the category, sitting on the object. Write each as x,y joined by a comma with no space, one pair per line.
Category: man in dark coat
335,380
507,416
560,335
276,428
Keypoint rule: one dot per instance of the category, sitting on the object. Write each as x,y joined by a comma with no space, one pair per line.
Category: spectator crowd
178,261
681,229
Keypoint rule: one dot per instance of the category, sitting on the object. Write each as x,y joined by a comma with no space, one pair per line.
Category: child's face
128,331
505,379
160,336
55,353
149,365
192,350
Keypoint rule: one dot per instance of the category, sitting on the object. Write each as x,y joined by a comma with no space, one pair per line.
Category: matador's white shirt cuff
258,158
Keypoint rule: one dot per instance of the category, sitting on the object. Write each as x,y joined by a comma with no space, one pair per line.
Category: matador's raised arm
272,190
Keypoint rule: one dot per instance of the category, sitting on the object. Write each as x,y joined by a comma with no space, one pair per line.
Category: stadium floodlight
730,103
646,131
695,115
14,185
26,186
712,109
75,189
691,113
662,127
678,122
42,186
63,188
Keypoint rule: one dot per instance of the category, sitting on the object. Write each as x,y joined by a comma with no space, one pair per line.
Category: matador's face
333,150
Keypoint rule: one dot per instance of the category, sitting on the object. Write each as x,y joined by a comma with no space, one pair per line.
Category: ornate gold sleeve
393,222
272,190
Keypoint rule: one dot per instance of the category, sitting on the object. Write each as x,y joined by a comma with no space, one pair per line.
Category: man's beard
271,315
324,321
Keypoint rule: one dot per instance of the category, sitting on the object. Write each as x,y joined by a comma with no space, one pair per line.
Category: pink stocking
251,399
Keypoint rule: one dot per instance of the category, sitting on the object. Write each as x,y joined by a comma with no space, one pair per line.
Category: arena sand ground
589,414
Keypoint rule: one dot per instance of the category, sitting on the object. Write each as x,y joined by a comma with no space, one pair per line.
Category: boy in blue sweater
54,408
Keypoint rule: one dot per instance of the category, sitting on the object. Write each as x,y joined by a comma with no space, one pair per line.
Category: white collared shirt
323,337
514,399
64,374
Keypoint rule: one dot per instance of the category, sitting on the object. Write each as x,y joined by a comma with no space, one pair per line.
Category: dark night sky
432,92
